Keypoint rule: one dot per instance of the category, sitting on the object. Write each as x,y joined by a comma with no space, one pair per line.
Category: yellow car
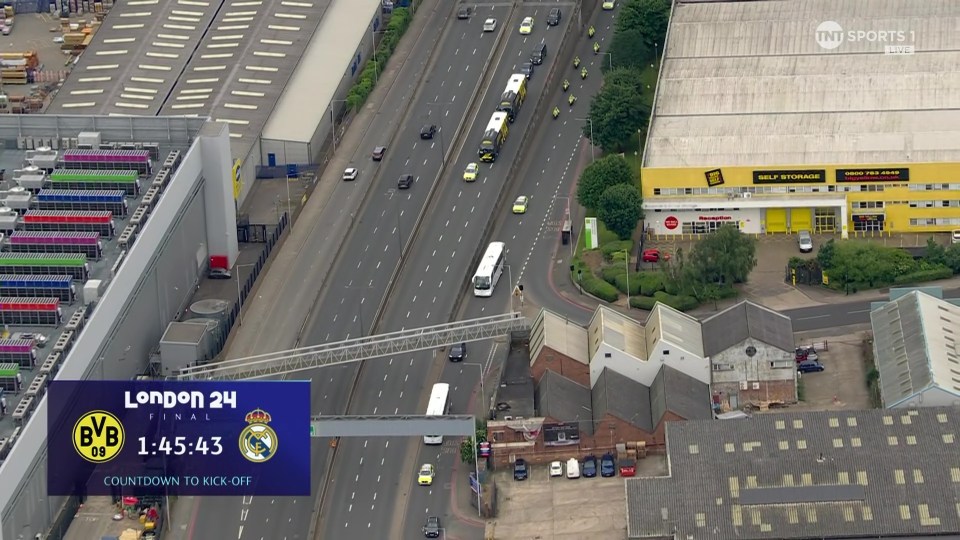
609,4
425,478
526,26
470,173
520,205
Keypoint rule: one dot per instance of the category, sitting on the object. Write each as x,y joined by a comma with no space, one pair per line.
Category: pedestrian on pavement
3,405
19,382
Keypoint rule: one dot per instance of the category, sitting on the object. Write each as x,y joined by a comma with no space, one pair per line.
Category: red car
651,255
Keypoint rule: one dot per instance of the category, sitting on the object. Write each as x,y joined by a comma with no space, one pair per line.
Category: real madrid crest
258,441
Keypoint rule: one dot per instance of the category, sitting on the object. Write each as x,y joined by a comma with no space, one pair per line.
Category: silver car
805,241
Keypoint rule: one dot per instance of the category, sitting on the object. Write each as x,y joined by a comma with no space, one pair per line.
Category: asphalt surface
374,485
290,517
836,315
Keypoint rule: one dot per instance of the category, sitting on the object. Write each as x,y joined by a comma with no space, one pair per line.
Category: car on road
218,273
805,241
464,12
431,529
553,18
526,25
608,467
650,255
538,54
609,4
556,469
428,131
378,153
458,352
405,181
426,474
810,366
527,69
490,25
520,469
470,173
520,205
573,469
350,173
589,466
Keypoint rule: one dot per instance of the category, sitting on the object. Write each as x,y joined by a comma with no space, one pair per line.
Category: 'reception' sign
137,438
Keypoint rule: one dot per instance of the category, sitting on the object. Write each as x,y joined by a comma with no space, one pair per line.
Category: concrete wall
153,284
645,371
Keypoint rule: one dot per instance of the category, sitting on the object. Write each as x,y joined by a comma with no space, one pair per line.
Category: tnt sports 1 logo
830,35
258,441
98,436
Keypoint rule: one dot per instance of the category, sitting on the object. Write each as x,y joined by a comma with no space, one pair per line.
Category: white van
955,236
573,468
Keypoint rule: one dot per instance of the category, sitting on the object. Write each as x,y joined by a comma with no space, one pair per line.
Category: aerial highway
289,517
373,483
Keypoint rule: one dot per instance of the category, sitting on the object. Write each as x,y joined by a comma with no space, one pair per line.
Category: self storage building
835,116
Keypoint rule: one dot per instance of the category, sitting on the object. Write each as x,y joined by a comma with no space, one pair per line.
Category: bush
680,303
650,282
610,273
599,288
643,302
399,22
920,276
614,250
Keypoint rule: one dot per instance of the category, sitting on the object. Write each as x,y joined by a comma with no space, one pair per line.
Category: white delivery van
573,468
955,236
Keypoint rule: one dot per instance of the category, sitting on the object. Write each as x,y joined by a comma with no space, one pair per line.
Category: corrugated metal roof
746,319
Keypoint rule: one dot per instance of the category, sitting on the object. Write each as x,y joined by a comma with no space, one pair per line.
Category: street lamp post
593,154
236,268
476,453
512,287
626,266
443,151
333,122
610,58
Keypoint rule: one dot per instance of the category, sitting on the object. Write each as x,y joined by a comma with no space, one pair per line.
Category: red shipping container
219,262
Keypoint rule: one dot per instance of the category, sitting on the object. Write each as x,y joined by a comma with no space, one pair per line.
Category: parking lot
557,508
842,385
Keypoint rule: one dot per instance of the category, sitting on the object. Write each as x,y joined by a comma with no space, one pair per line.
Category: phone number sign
137,438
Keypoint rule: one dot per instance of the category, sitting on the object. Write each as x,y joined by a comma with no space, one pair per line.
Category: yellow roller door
801,219
776,220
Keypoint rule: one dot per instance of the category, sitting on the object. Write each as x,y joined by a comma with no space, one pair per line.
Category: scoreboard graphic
178,438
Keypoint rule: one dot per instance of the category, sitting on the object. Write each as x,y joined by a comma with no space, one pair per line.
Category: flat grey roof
746,83
135,57
838,474
333,46
244,62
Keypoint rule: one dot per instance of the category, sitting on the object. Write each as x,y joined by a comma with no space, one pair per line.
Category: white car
350,173
573,469
556,469
490,25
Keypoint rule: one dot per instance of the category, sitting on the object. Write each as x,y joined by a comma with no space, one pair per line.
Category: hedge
599,288
651,282
614,250
920,276
643,302
399,22
680,303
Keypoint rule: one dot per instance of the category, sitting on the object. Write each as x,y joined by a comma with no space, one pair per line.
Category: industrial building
274,71
822,115
101,317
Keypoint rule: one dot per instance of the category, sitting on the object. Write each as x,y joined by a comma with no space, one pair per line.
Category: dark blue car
809,366
589,468
608,467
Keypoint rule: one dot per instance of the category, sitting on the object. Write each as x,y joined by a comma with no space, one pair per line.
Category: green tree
620,209
952,258
826,253
598,176
649,17
935,254
628,49
726,256
616,113
467,453
625,76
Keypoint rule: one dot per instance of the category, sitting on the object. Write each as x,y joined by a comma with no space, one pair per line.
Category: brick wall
561,364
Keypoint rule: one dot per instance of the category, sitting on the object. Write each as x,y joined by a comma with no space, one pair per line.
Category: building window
932,222
497,436
705,227
866,204
723,367
783,364
666,352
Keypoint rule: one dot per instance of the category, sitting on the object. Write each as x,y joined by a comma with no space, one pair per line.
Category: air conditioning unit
747,195
743,385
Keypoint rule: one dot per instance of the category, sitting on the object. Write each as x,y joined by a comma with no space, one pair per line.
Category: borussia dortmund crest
258,441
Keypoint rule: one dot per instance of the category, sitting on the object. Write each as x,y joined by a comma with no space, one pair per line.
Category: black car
608,467
589,468
458,352
520,469
527,69
405,181
464,13
810,366
428,131
553,18
378,153
431,529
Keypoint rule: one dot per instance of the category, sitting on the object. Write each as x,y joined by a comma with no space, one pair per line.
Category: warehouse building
822,115
235,61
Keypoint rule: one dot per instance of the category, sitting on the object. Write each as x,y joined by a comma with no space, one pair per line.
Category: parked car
428,131
405,181
464,12
805,353
553,18
589,466
810,366
556,469
608,466
489,25
520,469
573,469
805,241
431,529
628,467
458,352
650,255
378,153
218,273
350,173
955,236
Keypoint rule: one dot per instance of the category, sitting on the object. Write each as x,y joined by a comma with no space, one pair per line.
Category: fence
247,286
803,276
